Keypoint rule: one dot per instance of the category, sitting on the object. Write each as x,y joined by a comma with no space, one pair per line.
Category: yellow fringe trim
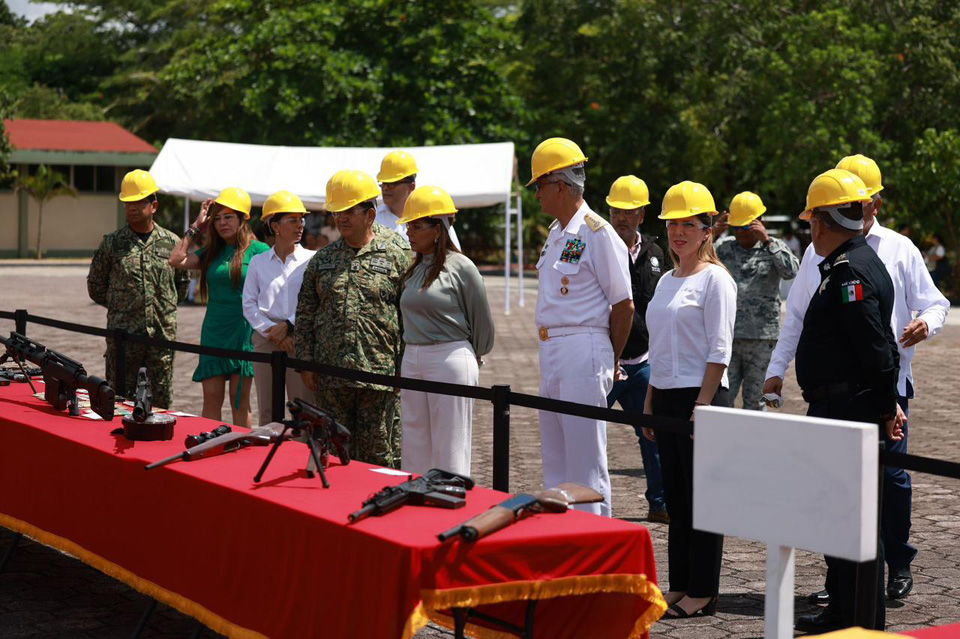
192,609
417,620
435,601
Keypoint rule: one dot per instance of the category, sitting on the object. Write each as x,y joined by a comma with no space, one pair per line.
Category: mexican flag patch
852,292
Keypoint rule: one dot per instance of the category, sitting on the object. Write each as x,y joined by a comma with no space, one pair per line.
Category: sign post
788,481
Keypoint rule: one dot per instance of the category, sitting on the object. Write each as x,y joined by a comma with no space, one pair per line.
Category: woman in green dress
222,258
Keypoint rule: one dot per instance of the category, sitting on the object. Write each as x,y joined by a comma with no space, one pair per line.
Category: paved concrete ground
46,594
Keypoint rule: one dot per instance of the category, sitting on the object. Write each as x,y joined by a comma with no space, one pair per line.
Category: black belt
830,390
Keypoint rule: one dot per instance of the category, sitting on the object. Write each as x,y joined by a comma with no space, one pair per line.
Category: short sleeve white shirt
584,270
272,287
690,321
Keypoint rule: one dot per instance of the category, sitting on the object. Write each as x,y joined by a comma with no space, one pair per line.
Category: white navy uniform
386,217
583,271
914,292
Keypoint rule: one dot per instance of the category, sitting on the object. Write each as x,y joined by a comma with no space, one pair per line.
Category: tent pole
506,258
519,211
186,213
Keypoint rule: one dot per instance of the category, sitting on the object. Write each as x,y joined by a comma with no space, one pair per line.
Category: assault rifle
436,487
62,376
317,429
262,436
555,500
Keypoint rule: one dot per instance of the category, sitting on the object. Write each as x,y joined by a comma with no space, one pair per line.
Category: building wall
72,225
8,221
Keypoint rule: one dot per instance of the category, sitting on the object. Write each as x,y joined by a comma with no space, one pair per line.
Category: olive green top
453,308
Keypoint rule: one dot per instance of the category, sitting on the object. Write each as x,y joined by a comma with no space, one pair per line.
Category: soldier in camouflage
758,263
348,315
130,276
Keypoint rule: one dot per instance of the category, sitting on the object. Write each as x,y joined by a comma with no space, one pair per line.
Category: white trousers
438,429
576,368
262,378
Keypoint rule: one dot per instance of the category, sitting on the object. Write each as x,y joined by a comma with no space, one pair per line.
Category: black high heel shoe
709,609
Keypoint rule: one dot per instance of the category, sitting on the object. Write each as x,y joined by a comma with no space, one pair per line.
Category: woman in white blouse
690,320
447,328
270,295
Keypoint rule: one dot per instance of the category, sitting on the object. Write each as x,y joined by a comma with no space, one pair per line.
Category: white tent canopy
475,175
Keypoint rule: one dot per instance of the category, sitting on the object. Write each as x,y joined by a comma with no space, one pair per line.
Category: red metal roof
67,135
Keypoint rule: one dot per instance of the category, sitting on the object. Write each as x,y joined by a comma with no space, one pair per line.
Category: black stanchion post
278,374
501,438
120,362
868,572
20,319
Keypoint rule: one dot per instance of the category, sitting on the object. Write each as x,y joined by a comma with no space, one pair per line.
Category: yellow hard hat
396,166
687,199
864,168
282,202
348,188
745,208
834,187
554,154
235,199
628,192
136,185
427,201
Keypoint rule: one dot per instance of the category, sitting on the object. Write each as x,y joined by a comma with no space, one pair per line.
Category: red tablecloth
278,560
939,632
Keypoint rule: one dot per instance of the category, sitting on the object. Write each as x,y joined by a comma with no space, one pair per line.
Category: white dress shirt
914,292
386,217
272,287
582,273
690,320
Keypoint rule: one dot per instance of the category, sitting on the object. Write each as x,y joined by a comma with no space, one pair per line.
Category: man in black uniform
847,360
627,201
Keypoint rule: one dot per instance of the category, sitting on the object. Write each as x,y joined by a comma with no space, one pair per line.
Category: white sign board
787,480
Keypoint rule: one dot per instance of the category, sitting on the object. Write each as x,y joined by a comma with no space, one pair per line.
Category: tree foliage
737,94
43,186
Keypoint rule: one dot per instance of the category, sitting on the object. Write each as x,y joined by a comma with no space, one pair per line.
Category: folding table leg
144,618
9,551
528,629
460,622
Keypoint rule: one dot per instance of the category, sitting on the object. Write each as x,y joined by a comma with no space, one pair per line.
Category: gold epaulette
594,221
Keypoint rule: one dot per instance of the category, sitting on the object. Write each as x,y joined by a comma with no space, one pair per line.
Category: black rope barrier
929,465
656,422
502,398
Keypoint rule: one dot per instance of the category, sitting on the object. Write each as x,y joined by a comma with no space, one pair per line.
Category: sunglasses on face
540,185
416,228
685,226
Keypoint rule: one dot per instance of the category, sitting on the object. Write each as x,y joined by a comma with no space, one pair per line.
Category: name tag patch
326,267
573,251
380,265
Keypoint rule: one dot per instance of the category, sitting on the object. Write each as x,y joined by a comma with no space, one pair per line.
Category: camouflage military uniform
758,272
348,315
140,289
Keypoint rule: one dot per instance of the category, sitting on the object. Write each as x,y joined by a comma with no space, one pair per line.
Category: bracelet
699,403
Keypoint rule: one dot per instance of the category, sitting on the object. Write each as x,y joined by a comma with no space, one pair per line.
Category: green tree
7,174
44,186
930,195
